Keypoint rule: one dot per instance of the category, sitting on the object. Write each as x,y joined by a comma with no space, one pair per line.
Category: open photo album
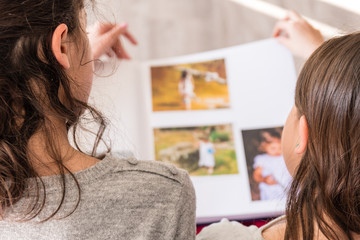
219,115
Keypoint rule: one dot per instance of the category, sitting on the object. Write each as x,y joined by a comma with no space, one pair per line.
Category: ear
303,133
59,46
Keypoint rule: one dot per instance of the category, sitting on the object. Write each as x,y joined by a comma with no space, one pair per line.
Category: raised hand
299,36
105,39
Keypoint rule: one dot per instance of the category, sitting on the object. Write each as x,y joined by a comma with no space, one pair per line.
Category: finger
109,38
102,27
118,53
293,15
110,53
116,31
287,17
122,29
277,30
112,35
130,37
120,50
280,27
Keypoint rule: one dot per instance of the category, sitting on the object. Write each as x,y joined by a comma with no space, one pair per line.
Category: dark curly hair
30,76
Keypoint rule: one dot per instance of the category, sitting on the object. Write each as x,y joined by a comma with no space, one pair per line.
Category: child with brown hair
320,144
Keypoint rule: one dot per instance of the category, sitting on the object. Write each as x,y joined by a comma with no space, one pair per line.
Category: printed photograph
202,151
192,86
268,176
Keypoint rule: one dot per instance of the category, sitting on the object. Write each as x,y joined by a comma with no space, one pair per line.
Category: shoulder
229,230
151,169
153,181
274,230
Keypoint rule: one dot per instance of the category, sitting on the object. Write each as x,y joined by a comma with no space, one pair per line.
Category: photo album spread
219,115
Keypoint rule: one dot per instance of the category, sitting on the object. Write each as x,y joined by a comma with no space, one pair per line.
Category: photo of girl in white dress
186,89
190,86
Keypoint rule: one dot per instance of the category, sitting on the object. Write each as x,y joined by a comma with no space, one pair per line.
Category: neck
50,146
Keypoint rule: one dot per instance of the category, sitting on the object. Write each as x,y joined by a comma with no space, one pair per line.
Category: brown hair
27,64
325,192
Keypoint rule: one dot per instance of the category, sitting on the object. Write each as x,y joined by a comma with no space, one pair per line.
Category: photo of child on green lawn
192,86
202,151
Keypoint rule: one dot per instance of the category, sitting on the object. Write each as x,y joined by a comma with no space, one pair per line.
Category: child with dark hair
50,189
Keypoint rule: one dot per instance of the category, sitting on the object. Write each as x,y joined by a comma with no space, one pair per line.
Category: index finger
122,30
130,37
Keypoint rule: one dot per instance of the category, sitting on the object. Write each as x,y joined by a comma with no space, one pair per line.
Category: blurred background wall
167,28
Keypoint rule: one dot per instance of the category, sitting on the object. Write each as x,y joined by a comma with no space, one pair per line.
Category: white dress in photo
206,152
275,166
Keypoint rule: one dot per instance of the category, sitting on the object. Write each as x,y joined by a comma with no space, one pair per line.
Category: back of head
30,81
326,186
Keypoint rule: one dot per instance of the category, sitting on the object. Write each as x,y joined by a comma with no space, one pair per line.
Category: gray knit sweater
120,199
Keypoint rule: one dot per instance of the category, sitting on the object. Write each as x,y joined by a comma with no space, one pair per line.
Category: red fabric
257,223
